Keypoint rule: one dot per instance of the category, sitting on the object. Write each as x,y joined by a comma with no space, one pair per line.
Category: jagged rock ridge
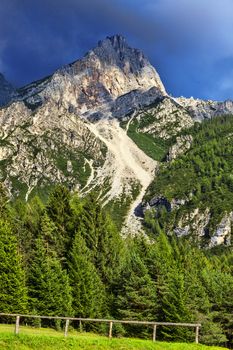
94,84
111,80
205,109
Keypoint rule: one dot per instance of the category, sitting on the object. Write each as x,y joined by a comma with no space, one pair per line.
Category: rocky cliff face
166,119
49,146
93,84
181,145
223,231
201,109
194,223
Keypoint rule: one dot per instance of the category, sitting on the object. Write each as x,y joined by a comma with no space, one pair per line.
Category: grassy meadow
49,339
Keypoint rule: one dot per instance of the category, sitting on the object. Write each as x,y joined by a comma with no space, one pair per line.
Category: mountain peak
109,71
117,41
114,50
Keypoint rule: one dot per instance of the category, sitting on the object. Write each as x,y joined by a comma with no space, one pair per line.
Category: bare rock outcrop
168,118
205,109
45,147
183,144
222,234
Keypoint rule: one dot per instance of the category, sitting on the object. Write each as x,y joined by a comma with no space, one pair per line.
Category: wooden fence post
17,325
110,330
154,332
66,328
197,335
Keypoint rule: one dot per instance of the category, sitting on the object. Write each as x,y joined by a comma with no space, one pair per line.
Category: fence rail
111,323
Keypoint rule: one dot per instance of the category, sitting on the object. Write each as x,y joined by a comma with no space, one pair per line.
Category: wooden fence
110,322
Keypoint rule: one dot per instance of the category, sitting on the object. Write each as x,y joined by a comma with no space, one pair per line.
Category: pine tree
13,292
136,297
59,210
102,238
174,306
192,261
48,284
219,320
87,289
160,261
51,235
165,265
26,219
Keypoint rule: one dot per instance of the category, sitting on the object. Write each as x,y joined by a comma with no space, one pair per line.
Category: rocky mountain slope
104,122
201,109
191,196
46,147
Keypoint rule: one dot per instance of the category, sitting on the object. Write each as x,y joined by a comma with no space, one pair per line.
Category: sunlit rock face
94,83
205,109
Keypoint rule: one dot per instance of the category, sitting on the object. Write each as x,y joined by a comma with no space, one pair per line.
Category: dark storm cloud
190,42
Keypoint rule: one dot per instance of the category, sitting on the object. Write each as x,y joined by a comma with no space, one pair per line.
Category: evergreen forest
65,257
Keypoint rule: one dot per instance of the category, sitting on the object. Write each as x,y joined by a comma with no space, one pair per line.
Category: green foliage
174,306
48,285
119,207
59,211
3,201
136,295
76,263
154,147
202,176
182,295
18,187
102,238
88,291
26,219
80,170
13,292
219,286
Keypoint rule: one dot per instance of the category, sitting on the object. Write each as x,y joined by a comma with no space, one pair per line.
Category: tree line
65,257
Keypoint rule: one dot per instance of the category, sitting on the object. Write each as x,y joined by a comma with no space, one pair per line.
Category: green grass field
48,339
